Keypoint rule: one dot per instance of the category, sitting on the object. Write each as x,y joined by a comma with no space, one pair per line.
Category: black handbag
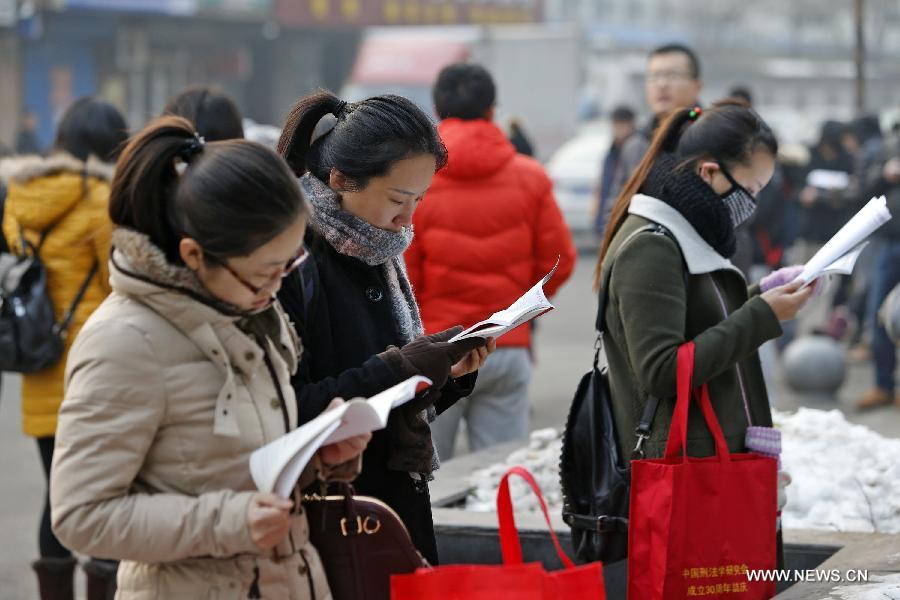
595,477
30,337
362,542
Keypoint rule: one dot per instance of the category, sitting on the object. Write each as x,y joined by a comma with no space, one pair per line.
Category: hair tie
695,113
340,109
191,147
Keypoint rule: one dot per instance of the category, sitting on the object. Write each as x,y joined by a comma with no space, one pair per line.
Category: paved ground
564,350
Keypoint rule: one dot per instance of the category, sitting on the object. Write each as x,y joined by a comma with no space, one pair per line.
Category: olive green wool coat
653,309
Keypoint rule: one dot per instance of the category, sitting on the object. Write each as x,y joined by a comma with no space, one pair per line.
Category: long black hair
91,127
728,132
368,137
232,196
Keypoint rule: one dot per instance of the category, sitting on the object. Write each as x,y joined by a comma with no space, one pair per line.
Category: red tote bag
513,580
698,525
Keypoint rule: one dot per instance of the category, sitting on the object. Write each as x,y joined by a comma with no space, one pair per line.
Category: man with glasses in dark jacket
672,81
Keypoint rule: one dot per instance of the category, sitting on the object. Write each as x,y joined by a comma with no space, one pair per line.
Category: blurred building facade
137,53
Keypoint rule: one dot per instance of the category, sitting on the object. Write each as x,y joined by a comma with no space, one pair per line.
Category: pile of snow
541,457
846,477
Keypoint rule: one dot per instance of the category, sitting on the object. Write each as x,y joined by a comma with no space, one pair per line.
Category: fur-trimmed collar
140,269
25,168
146,261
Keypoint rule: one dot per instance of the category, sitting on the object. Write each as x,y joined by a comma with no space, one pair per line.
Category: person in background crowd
884,178
823,209
742,92
519,139
862,139
59,204
26,139
672,81
623,128
4,246
213,112
183,372
365,166
516,240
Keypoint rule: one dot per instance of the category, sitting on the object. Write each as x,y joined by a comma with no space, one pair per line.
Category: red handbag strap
678,431
509,534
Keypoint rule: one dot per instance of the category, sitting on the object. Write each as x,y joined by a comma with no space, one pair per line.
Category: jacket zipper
737,366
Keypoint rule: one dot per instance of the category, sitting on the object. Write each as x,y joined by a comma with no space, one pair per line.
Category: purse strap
678,431
509,534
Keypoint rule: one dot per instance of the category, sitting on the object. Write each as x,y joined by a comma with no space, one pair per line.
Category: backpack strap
645,425
63,326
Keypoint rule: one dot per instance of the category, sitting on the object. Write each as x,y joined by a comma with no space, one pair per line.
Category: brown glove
430,355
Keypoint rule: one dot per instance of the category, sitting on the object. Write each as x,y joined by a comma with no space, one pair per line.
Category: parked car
575,171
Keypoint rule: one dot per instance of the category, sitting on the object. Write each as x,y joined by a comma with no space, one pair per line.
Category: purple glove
782,276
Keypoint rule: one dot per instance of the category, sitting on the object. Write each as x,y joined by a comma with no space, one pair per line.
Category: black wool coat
342,312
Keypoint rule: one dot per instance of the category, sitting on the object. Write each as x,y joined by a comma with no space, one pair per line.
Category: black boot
55,577
101,579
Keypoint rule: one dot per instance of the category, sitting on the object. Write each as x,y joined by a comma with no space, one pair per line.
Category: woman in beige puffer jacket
182,372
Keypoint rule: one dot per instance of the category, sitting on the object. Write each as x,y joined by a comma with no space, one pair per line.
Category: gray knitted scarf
412,449
351,236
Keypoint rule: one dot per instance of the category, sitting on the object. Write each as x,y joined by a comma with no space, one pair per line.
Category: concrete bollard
815,366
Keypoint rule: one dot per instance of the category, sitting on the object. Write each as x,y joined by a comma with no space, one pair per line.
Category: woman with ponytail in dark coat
364,167
674,282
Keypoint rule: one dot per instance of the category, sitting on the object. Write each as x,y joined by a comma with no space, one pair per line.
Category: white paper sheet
826,179
277,466
529,305
847,241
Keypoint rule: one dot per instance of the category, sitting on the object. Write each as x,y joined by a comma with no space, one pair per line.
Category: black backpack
30,337
595,478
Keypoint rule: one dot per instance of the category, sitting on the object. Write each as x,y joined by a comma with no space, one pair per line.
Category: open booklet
839,254
532,304
277,466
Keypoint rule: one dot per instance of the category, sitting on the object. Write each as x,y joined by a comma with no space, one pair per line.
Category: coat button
374,294
302,570
249,356
275,403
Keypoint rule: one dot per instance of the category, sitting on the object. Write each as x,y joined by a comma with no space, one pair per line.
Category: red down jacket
486,231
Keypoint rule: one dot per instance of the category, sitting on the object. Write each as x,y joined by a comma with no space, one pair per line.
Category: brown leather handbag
362,542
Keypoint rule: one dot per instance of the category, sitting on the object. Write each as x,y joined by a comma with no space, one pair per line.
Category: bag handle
509,534
678,431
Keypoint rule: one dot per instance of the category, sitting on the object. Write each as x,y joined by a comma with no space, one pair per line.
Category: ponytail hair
728,132
230,196
366,139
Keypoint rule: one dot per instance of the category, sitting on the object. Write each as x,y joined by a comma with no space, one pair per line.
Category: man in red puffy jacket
486,231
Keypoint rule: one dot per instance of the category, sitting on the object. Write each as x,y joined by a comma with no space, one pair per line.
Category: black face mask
740,203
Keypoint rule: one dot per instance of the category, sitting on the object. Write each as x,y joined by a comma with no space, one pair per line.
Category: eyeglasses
288,268
668,76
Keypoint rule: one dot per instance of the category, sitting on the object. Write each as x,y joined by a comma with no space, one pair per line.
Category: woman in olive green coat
675,283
